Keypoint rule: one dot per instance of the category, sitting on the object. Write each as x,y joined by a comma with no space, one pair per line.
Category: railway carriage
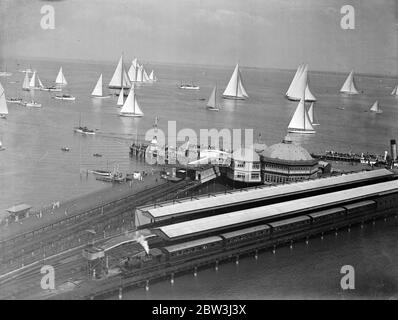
247,235
190,249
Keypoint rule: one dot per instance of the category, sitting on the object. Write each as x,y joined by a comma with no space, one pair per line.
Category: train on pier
165,252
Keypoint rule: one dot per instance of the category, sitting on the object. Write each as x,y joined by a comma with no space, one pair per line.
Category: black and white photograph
209,151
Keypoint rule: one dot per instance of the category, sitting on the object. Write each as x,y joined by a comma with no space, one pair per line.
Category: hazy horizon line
108,61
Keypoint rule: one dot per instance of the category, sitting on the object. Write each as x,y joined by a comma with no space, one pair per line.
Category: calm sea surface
34,170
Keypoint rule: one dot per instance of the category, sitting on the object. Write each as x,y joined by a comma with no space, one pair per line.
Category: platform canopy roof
243,217
188,206
19,208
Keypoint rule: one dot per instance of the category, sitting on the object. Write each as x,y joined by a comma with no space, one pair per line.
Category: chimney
393,149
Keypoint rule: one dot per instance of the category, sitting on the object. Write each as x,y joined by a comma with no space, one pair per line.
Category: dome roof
259,147
245,154
287,151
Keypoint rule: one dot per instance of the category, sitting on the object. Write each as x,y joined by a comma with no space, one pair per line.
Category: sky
256,33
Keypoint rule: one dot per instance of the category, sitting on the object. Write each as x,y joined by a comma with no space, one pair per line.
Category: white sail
308,94
140,71
120,78
300,122
311,112
97,92
375,107
25,84
131,107
121,97
235,87
61,78
296,91
146,77
152,76
3,102
349,85
132,73
395,91
295,78
212,100
40,83
33,80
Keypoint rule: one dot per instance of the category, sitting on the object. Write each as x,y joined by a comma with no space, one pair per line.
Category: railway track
19,252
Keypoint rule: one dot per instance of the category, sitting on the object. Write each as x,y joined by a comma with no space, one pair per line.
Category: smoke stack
393,149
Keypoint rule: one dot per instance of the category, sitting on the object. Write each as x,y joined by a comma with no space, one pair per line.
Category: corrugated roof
190,244
245,231
231,198
250,215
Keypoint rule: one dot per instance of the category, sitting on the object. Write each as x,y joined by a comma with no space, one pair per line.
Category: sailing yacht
235,89
211,104
300,80
395,91
300,122
349,85
152,77
3,103
375,108
130,107
97,92
60,80
311,115
132,73
120,78
25,84
32,82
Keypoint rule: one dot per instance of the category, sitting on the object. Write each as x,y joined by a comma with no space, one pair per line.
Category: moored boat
189,86
84,130
32,104
65,96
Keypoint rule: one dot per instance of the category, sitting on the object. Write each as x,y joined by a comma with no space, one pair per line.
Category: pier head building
287,162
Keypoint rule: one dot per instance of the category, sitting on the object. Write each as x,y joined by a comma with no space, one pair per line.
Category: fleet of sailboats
212,103
130,107
235,89
349,85
137,73
376,108
299,84
98,92
3,103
